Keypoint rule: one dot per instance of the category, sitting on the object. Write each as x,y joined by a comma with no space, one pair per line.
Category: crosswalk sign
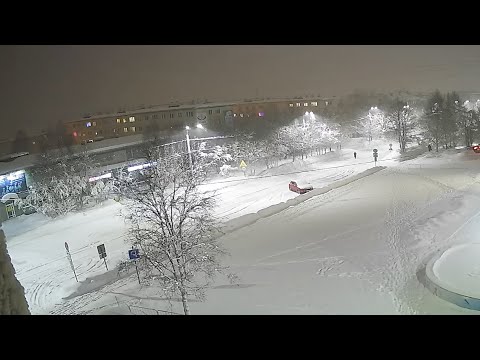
243,165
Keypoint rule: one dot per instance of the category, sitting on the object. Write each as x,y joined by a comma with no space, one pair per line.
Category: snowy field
365,240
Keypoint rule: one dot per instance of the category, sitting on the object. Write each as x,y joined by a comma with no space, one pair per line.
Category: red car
476,148
301,190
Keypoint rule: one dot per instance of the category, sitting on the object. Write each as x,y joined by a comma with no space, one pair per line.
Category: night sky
40,85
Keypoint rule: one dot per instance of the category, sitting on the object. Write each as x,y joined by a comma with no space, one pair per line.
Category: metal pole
189,152
136,268
105,261
74,273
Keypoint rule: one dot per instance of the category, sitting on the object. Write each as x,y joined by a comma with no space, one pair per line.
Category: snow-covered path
355,249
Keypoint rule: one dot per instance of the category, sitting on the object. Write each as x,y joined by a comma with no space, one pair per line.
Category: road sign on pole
134,255
103,254
101,251
69,257
243,165
375,155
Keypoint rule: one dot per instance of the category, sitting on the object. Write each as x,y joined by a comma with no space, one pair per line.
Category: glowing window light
131,119
305,104
261,114
104,176
88,124
138,167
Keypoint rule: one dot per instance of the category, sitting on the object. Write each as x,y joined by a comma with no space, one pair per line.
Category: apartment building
214,116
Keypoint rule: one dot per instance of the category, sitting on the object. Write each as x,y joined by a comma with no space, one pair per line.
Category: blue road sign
133,254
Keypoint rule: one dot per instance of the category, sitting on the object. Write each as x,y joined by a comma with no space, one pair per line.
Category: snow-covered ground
458,269
357,248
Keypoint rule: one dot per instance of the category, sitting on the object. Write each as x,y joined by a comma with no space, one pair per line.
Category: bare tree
433,114
171,222
402,120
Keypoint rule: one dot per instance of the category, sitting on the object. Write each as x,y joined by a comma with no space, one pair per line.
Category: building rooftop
155,108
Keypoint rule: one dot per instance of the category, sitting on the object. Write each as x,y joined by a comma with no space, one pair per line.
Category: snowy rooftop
155,108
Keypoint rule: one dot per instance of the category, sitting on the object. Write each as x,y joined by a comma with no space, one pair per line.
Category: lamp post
199,126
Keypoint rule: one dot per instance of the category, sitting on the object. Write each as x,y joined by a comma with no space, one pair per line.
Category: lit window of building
124,120
305,104
297,104
33,142
314,103
94,123
118,121
291,105
125,129
241,115
114,130
234,115
132,129
326,103
261,114
88,124
131,119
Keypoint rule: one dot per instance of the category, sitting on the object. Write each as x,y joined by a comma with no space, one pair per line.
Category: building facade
214,116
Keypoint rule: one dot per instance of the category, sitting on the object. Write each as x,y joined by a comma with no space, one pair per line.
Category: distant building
214,116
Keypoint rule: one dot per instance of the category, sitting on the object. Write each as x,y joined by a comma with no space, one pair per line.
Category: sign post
69,257
102,253
134,255
375,155
243,166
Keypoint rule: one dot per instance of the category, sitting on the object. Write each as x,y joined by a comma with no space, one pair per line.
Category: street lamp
199,126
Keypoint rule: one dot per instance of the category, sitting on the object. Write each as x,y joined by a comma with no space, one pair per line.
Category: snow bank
454,275
249,219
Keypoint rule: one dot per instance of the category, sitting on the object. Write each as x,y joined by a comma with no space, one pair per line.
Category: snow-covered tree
214,157
102,189
60,183
171,221
467,119
372,125
402,119
12,294
433,113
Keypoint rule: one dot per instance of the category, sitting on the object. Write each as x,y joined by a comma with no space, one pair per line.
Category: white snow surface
458,269
354,245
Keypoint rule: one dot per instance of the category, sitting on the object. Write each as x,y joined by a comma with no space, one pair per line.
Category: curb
433,284
249,219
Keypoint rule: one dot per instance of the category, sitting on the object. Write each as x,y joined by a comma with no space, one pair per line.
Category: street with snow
357,244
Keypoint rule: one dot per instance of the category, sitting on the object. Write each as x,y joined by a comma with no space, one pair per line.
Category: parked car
300,190
476,148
